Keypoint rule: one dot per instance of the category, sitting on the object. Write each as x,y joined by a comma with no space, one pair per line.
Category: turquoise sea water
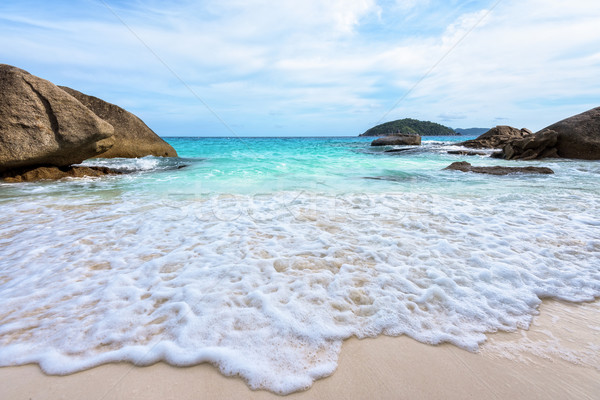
260,255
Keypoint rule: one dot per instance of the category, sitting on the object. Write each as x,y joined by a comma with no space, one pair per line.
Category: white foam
268,286
572,338
147,163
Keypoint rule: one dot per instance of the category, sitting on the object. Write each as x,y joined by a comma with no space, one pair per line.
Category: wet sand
557,358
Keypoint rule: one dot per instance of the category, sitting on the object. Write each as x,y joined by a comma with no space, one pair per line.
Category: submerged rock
53,173
40,124
396,150
496,137
497,170
133,138
468,153
411,140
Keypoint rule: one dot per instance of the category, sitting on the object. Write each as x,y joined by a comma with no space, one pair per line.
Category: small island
409,126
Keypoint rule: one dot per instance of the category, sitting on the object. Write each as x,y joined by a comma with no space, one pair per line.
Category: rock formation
497,170
44,173
133,138
412,140
578,136
41,124
539,145
496,137
574,137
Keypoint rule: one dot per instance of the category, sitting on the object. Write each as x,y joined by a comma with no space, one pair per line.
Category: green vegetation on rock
410,126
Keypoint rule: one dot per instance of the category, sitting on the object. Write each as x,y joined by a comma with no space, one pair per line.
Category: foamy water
261,256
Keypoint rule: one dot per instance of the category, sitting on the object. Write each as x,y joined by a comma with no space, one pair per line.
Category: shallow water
261,255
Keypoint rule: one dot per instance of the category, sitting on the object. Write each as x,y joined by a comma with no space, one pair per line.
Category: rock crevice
49,112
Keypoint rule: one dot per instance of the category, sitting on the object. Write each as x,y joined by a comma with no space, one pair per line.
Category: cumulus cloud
337,66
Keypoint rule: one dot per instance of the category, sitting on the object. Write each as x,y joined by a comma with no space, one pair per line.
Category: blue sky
315,67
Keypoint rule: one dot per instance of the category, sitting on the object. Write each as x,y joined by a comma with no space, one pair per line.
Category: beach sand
557,358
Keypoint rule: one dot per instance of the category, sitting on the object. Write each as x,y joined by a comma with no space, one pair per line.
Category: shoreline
538,363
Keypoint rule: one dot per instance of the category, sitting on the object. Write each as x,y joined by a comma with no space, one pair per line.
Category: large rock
411,140
133,138
497,170
578,136
496,137
41,124
574,137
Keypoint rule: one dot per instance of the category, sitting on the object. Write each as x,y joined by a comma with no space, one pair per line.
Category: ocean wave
143,164
267,286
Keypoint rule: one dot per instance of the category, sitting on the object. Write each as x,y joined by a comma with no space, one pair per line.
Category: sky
315,67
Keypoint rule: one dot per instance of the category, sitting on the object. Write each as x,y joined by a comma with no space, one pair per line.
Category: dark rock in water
574,137
496,137
396,150
41,124
391,178
133,138
539,145
53,173
412,140
497,170
468,153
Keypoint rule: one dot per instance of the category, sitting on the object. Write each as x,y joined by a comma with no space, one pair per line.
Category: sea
262,255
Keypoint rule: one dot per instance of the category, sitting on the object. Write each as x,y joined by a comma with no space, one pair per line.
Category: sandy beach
556,358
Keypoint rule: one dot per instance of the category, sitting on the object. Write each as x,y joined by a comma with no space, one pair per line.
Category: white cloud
343,62
464,25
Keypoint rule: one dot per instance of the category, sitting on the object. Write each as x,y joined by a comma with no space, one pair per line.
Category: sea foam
268,286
